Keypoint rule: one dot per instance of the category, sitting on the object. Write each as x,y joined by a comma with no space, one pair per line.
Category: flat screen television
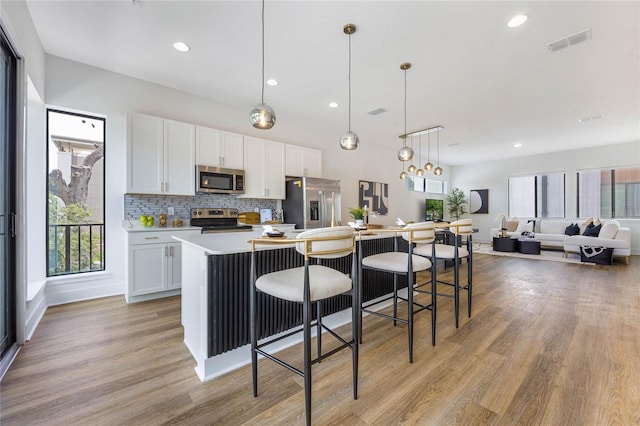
434,210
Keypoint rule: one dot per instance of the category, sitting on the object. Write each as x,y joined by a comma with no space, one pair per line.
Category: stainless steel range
217,220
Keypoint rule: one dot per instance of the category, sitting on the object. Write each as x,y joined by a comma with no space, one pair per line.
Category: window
609,193
75,216
537,196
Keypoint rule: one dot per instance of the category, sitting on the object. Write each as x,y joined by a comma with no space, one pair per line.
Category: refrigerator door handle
323,210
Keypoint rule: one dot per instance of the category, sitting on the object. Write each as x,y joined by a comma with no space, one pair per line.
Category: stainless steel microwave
217,180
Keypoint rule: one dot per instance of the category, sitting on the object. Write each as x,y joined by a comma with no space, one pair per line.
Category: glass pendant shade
405,153
403,175
411,168
438,171
420,172
262,116
349,141
428,166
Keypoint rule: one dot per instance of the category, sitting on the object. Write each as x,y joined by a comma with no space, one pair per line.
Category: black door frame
9,143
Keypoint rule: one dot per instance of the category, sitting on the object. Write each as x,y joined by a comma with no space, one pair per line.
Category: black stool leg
253,325
456,283
360,291
433,294
306,332
319,329
395,298
469,274
354,336
410,309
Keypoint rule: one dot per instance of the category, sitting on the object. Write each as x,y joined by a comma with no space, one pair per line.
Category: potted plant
457,203
358,214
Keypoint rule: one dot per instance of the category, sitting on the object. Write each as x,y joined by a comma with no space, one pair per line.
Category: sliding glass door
7,197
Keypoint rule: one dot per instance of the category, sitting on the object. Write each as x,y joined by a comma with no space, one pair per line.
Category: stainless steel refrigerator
312,203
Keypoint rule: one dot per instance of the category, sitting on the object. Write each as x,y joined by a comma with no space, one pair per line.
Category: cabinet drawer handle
151,238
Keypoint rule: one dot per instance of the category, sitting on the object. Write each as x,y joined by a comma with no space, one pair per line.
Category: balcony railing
75,248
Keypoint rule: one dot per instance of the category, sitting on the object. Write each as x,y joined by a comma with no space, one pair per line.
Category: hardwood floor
549,343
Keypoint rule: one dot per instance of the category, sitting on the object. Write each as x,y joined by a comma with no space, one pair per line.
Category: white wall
493,176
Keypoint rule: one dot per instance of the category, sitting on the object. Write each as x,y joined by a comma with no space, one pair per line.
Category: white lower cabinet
154,264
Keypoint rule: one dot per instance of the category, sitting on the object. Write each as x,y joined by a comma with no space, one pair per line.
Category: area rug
554,255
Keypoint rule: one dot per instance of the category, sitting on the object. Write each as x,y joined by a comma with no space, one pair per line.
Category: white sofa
551,234
611,235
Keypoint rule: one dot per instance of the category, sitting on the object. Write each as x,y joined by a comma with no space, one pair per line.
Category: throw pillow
524,227
592,230
572,229
511,224
609,229
596,222
583,225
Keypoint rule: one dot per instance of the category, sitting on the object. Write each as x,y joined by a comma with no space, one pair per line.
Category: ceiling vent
570,40
376,111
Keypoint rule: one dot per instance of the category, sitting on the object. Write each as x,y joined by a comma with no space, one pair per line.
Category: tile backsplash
138,204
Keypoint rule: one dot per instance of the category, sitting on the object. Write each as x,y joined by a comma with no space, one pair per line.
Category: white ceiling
490,86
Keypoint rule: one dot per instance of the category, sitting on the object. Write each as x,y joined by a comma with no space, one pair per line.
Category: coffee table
529,246
505,244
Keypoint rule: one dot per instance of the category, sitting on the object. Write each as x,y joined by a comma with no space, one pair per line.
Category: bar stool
459,228
401,263
309,284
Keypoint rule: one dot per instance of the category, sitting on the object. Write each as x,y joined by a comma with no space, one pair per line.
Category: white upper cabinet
160,156
218,148
145,154
264,169
179,143
301,161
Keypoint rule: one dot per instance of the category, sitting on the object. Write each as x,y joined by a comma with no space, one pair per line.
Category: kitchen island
215,295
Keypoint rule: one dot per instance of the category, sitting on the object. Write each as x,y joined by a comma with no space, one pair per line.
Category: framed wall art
479,201
375,196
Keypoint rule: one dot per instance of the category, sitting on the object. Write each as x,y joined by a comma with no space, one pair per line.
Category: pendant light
403,175
438,170
405,153
428,165
419,172
262,115
349,140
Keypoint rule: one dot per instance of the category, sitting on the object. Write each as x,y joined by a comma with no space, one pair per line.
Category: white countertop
227,242
136,226
237,242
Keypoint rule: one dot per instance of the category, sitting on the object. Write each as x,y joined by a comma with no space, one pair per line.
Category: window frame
91,116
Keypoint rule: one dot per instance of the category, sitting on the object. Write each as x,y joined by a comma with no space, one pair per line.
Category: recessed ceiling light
272,82
334,105
517,20
517,145
182,47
